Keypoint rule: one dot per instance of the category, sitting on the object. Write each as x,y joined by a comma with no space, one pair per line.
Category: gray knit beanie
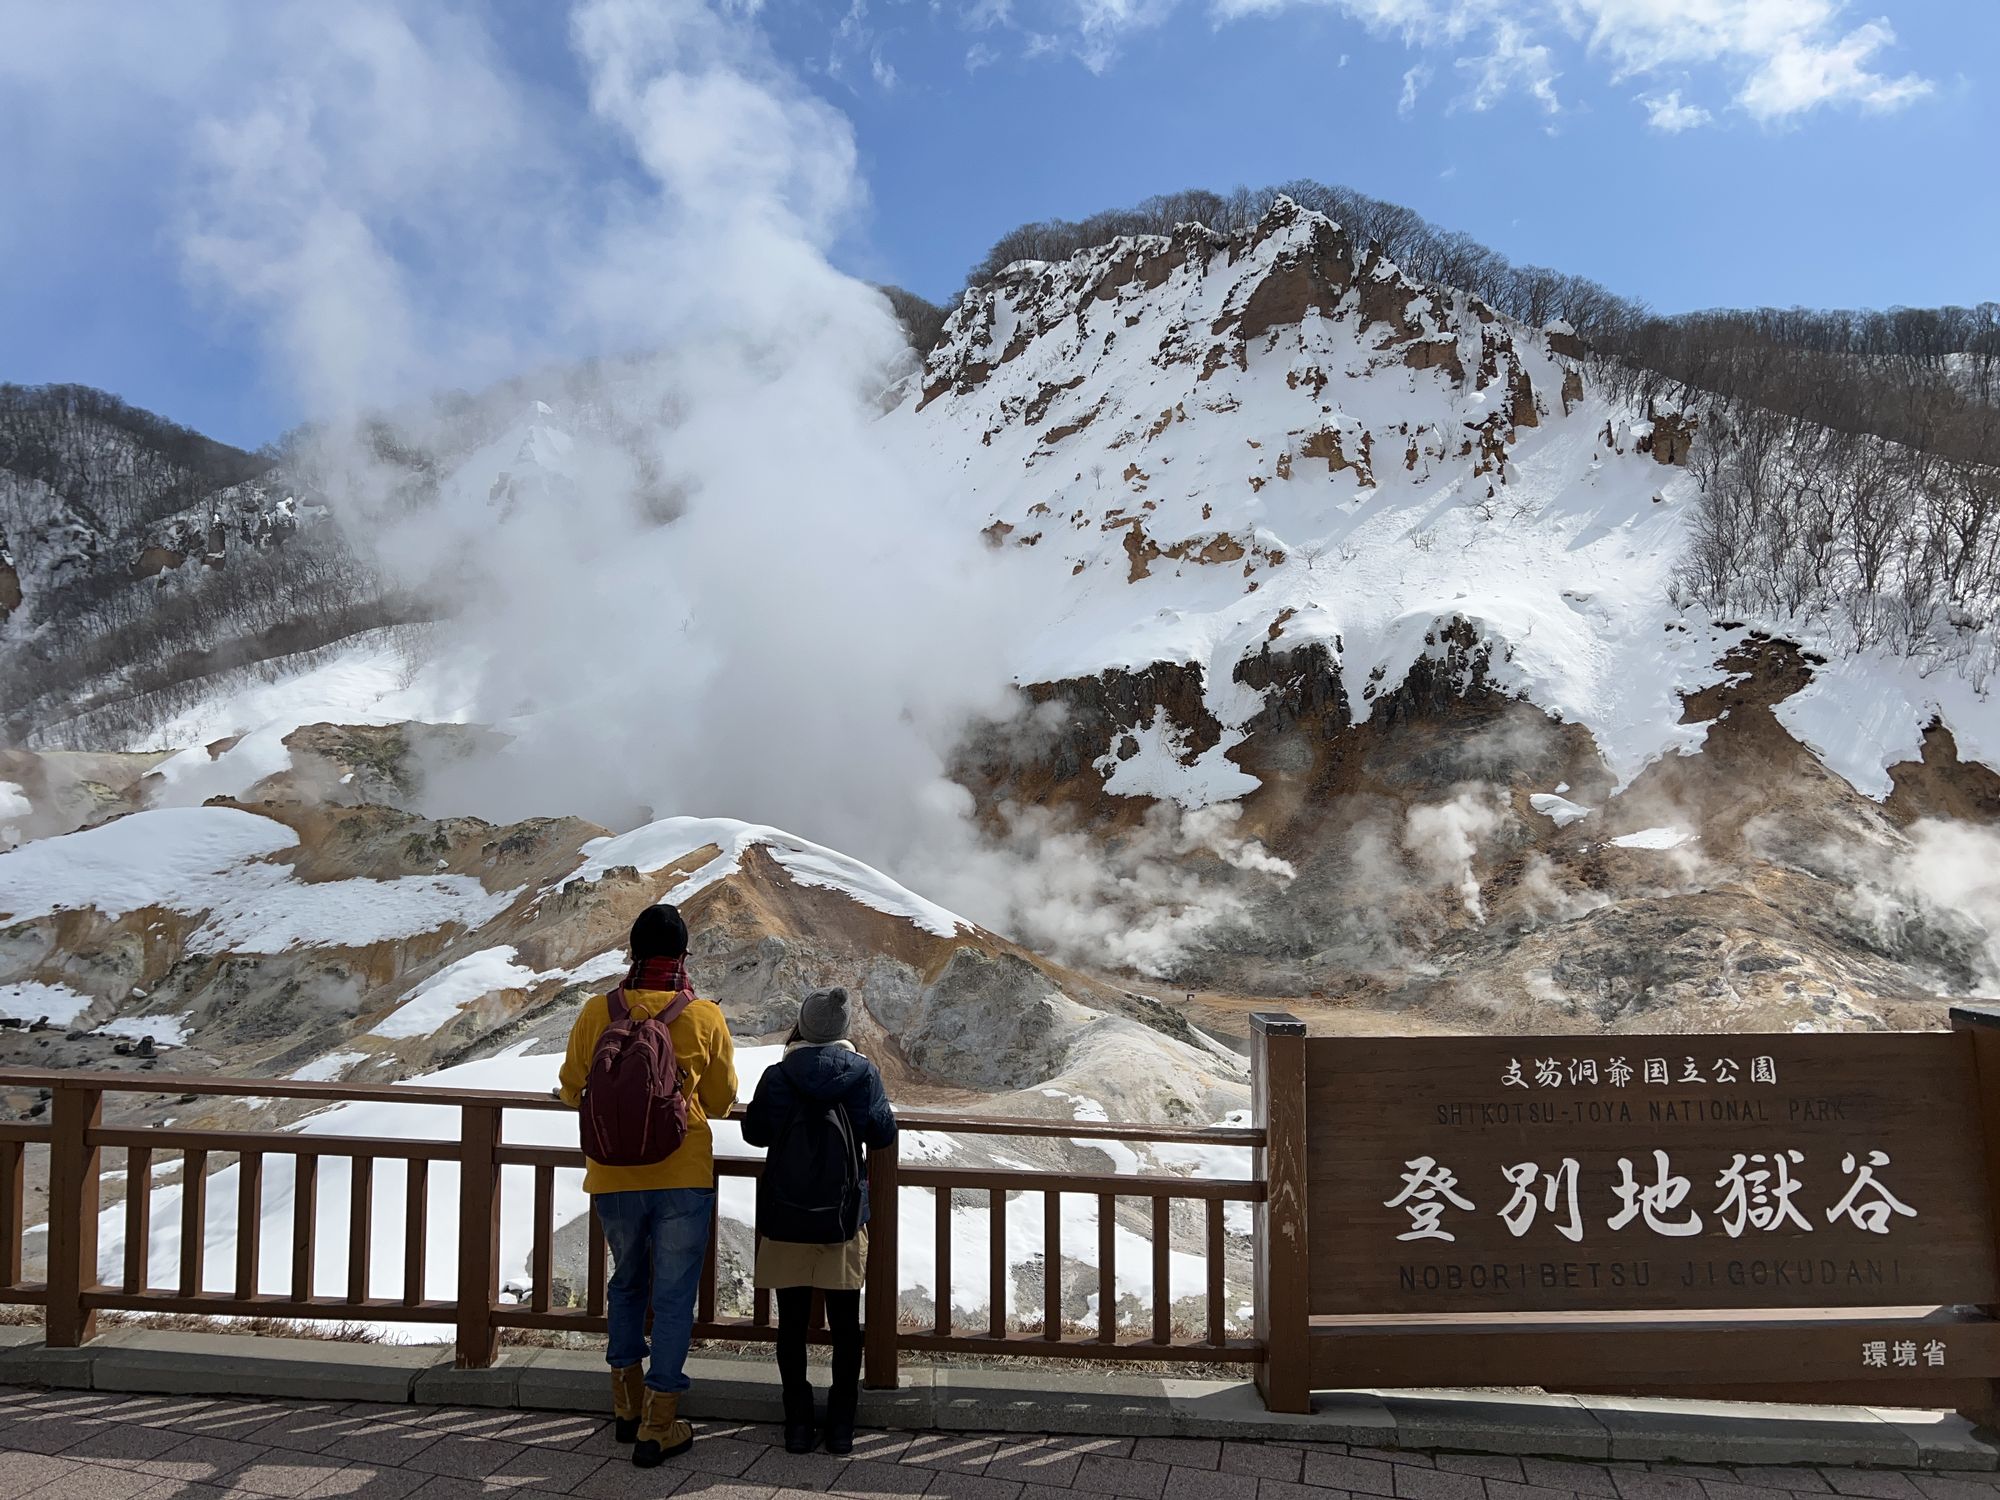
823,1016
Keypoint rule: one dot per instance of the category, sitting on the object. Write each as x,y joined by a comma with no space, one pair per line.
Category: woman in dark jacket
820,1077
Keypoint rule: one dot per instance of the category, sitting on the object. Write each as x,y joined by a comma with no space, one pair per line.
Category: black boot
799,1435
842,1396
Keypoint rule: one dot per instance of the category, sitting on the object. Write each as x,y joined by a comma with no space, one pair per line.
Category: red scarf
668,975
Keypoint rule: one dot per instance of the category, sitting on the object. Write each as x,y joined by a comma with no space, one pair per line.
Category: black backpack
810,1190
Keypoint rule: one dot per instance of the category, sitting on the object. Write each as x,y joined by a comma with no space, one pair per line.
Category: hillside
1354,664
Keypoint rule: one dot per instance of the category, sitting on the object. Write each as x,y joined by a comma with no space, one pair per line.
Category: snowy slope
1209,443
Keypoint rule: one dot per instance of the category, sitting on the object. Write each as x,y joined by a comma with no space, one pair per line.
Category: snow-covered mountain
1352,633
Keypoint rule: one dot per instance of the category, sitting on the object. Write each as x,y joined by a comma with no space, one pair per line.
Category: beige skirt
833,1268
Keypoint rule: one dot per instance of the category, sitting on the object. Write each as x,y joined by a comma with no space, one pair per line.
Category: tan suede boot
628,1400
662,1433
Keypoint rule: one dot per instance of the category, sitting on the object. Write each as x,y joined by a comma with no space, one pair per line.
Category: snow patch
165,1029
436,1002
1655,838
211,861
1163,770
1560,810
31,999
670,840
328,1068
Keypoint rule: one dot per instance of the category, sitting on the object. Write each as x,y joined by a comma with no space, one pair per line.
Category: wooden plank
941,1259
478,1235
996,1262
704,1300
275,1142
360,1225
599,1256
1163,1289
138,1217
1980,1025
13,1179
1281,1226
249,1220
228,1304
1217,1296
28,1079
1561,1355
194,1221
1232,1189
1107,1268
1823,1116
541,1263
880,1369
305,1225
1052,1284
416,1229
75,1110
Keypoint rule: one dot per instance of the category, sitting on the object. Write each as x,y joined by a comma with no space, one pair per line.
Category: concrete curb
1596,1428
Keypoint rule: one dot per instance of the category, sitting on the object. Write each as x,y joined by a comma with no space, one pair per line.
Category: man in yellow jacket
656,1217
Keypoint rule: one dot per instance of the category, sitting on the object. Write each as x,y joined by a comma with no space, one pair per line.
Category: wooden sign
1557,1174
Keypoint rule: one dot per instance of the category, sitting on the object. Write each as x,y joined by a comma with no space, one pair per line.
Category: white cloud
1103,25
1414,80
883,69
978,56
1514,61
1666,113
1801,75
1778,59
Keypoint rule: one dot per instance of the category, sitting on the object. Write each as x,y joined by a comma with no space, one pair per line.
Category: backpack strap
674,1008
614,1004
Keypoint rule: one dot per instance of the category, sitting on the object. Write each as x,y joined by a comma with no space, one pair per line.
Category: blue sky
1688,152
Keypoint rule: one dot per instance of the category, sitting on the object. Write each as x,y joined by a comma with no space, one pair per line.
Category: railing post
1281,1267
77,1109
1980,1025
884,1272
478,1234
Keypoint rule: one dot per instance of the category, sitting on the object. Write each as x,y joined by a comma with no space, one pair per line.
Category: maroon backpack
634,1113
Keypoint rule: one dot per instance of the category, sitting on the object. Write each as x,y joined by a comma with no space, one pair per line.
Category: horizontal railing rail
309,1279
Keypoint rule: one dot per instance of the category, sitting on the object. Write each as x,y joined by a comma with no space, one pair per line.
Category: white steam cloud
1444,839
690,581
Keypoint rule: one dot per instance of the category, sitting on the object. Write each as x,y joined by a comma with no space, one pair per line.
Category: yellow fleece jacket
707,1061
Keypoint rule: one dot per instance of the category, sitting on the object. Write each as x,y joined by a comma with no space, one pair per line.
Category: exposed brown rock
1045,398
1314,277
1070,429
1436,354
1671,439
1521,399
1941,785
1141,550
154,560
1324,444
1572,391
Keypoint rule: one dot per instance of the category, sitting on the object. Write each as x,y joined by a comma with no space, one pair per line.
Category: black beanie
659,933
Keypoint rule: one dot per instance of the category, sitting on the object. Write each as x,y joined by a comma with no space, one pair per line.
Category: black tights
843,1320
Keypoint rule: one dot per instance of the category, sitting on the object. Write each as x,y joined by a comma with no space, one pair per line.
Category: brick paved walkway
79,1445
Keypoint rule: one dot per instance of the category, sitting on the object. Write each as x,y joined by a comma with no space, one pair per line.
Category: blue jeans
658,1240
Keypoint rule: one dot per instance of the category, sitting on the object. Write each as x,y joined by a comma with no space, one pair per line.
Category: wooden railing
472,1300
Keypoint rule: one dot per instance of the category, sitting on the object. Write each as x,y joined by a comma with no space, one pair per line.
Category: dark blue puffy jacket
827,1074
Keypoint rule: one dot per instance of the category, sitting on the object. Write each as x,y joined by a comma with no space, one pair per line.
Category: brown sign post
1802,1217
